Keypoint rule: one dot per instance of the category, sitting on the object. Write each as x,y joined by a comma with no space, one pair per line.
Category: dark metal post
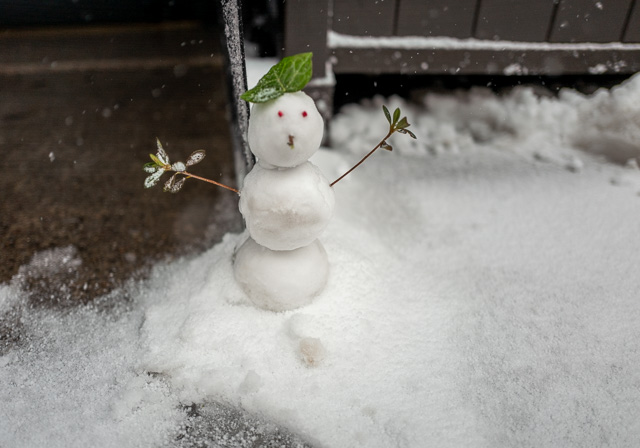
237,84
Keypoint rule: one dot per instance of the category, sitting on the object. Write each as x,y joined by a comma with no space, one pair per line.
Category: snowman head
286,131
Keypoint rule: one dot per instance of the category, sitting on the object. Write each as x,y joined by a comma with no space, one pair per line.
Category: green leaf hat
291,74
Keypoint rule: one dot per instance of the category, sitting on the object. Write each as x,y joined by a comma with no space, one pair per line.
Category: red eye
304,113
280,114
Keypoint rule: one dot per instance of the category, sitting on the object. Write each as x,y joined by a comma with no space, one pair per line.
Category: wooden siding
556,35
306,24
436,18
514,20
632,33
485,61
364,17
590,21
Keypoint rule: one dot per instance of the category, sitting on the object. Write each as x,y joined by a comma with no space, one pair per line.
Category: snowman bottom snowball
281,280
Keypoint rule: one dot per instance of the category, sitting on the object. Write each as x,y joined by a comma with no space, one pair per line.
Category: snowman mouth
290,142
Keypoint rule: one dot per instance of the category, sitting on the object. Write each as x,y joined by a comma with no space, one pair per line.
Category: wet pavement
80,110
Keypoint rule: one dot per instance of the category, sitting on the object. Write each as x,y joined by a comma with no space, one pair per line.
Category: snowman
286,201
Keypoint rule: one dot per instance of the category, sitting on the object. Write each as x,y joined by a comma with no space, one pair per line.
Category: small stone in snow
541,157
620,181
575,165
252,383
312,351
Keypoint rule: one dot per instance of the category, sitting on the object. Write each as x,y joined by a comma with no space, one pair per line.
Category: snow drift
482,293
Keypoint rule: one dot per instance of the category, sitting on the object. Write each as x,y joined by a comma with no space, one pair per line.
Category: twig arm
396,124
363,159
204,179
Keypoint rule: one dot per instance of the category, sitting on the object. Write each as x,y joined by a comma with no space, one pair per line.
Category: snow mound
478,298
70,379
560,129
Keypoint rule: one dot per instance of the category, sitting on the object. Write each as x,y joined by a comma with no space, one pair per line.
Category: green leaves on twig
160,164
291,74
396,124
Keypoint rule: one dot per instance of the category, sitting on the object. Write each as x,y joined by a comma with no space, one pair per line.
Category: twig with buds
396,124
161,164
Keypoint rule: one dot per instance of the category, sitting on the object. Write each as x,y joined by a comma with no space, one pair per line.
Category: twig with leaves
161,164
396,124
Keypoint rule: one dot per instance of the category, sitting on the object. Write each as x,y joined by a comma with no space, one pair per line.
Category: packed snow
483,291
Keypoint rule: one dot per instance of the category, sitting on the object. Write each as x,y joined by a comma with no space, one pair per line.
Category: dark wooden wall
547,37
15,13
516,20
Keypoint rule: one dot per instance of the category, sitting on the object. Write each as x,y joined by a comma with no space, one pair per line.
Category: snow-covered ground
484,292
